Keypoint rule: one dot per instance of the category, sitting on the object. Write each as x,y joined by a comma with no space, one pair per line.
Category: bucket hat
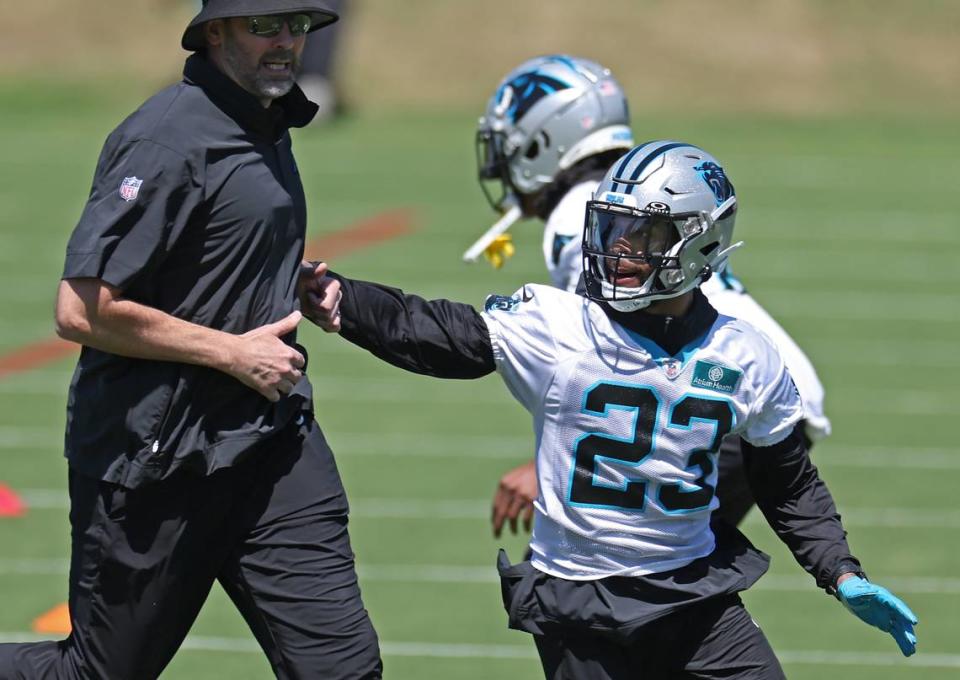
222,9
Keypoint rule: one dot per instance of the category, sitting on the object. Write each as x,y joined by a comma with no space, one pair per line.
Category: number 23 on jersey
587,489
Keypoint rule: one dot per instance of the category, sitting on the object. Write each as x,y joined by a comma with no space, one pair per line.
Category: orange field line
363,234
34,355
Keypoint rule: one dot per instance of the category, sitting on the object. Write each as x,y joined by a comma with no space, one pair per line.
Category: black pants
272,530
713,640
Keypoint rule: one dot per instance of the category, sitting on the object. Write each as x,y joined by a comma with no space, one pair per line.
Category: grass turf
851,242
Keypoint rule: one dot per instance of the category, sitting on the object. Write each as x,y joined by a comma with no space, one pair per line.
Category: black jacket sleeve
799,508
440,338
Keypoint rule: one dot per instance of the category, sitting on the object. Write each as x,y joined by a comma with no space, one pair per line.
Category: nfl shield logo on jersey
129,188
671,367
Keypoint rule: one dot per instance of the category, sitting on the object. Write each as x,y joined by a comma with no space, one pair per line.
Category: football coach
193,452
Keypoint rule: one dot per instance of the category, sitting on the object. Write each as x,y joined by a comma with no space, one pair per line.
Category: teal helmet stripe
638,170
566,61
625,161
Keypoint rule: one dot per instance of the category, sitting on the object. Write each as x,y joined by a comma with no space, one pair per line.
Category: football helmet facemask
546,115
660,223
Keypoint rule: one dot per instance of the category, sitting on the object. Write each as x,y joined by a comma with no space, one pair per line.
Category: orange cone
10,503
54,622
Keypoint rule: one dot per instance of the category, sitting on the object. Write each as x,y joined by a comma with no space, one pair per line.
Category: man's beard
253,79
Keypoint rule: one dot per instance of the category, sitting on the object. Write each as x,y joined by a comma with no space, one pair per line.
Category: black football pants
271,529
714,640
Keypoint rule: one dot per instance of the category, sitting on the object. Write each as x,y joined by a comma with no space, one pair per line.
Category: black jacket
196,210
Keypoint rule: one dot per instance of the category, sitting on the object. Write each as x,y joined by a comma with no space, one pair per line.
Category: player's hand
879,607
319,296
262,361
514,498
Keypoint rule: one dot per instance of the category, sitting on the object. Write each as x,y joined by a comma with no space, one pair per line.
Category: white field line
480,575
860,306
931,354
198,643
356,389
517,448
34,289
914,352
479,509
30,437
917,353
859,226
908,458
889,518
520,447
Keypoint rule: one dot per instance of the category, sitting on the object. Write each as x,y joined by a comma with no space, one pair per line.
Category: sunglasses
269,25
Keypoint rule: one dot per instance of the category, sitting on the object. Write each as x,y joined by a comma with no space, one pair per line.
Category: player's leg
293,577
142,565
718,640
591,657
733,490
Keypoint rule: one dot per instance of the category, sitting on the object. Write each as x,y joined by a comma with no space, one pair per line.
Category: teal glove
879,607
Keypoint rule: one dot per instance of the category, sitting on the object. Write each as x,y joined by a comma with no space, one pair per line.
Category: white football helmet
666,205
548,114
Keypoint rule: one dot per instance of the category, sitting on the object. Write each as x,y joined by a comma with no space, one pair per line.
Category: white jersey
729,297
627,436
562,238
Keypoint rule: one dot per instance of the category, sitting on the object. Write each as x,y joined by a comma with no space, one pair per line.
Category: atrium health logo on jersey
713,377
130,188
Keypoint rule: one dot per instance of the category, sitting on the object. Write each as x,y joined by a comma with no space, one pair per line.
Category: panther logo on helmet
716,179
526,90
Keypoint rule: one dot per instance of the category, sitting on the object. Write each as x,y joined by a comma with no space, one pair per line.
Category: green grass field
852,243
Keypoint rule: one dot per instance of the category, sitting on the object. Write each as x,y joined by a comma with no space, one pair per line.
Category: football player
551,130
632,387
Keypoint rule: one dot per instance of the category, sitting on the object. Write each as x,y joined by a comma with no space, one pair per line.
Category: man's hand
319,296
515,495
879,607
262,361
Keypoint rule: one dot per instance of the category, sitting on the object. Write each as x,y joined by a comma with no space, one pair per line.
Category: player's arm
800,509
439,338
91,312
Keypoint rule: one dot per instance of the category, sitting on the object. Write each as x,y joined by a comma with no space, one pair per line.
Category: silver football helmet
660,223
546,115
